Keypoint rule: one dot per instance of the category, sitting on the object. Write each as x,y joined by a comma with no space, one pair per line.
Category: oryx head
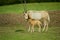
26,16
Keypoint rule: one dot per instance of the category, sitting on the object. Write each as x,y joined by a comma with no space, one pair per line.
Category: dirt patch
55,18
19,19
11,18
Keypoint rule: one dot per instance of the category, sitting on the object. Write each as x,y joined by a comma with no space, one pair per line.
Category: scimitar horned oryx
38,15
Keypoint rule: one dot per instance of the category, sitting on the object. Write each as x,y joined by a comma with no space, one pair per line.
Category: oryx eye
24,14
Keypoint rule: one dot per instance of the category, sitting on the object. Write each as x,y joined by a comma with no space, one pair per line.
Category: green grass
19,32
18,8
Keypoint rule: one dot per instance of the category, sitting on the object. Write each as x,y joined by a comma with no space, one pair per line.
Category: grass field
18,8
19,31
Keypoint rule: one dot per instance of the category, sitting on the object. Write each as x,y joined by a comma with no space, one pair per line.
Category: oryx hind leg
44,26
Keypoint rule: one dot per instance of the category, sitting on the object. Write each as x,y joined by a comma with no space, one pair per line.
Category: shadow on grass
20,31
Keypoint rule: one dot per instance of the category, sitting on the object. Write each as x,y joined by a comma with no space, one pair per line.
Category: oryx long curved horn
25,8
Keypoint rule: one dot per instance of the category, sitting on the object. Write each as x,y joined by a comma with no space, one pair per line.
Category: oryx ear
23,14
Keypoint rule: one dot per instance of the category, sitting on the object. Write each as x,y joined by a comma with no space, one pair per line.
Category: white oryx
38,15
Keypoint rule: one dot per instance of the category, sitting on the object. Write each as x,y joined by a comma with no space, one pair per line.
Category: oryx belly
35,15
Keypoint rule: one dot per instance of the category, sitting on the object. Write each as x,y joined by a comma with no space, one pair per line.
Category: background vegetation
19,8
7,2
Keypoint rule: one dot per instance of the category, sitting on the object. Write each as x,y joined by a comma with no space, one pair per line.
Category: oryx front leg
29,28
